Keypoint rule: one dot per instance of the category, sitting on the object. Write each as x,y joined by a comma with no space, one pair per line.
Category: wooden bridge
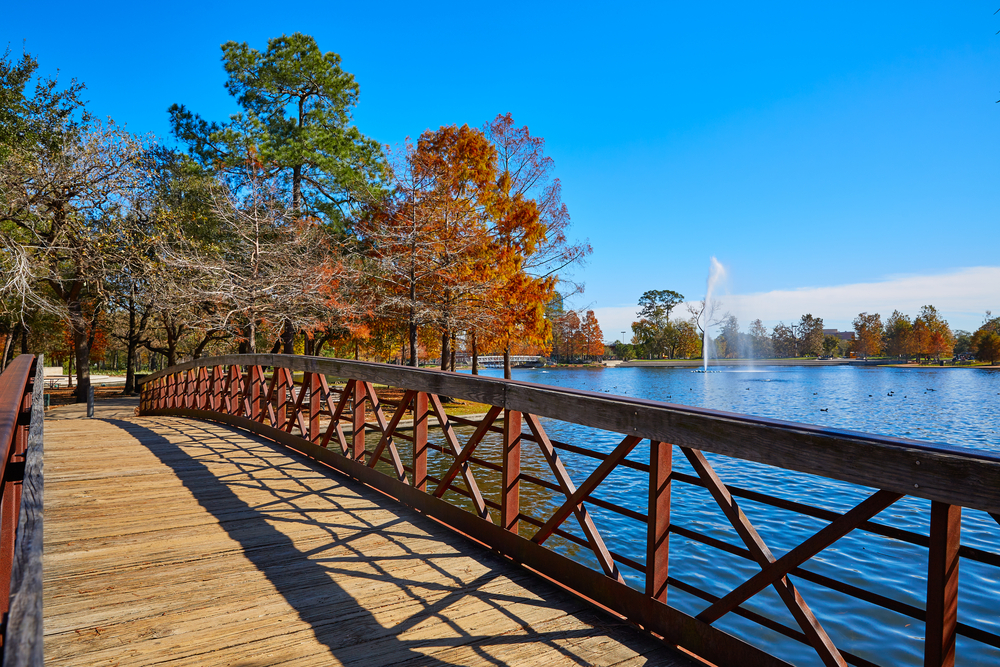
263,510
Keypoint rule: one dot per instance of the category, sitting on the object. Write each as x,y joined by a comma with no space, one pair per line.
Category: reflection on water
952,406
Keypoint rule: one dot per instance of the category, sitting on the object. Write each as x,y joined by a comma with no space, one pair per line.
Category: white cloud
961,296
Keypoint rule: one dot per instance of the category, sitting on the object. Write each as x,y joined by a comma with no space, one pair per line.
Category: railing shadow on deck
307,580
328,421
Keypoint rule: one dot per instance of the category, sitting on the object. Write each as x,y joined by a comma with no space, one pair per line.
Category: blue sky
815,150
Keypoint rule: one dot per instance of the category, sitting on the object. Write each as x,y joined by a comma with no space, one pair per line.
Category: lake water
945,405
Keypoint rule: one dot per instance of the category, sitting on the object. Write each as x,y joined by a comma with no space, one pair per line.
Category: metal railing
21,424
350,424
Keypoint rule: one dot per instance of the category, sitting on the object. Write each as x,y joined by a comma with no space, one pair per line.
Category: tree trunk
131,345
413,343
452,363
287,337
475,355
81,350
445,350
318,351
506,363
24,338
8,345
130,355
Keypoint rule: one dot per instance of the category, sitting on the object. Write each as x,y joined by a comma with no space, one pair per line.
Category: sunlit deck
174,541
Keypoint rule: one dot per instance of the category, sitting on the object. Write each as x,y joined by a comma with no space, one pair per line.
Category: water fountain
716,274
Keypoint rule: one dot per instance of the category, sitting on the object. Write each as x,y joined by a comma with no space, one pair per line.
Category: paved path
171,541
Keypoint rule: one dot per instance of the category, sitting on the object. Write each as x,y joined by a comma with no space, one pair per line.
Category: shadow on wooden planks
413,597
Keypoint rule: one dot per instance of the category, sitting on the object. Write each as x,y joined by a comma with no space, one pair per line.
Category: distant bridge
496,360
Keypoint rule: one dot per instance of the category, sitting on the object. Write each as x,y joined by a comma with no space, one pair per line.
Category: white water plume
716,274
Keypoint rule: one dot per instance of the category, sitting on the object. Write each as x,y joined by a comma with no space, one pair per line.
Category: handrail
945,473
21,434
329,423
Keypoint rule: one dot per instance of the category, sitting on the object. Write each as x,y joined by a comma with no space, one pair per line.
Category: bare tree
65,201
266,267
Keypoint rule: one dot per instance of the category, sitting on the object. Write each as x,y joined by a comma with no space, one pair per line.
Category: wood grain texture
675,626
943,473
171,540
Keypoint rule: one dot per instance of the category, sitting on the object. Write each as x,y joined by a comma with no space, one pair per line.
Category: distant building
842,335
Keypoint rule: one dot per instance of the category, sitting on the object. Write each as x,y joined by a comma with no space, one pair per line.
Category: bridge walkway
170,541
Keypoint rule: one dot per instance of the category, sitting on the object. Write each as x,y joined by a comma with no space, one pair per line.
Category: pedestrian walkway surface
177,542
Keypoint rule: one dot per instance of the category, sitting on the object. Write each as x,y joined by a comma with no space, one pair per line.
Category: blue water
951,406
943,405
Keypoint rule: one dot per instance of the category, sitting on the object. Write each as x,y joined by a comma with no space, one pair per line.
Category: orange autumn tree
592,334
425,240
527,224
462,166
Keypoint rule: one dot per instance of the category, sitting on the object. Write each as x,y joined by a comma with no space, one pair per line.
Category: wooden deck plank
174,542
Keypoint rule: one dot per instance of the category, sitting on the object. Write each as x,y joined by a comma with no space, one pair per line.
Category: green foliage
40,119
987,346
809,334
296,122
656,305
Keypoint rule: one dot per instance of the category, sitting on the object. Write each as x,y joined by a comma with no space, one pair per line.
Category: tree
426,239
41,120
932,333
963,342
868,333
528,223
987,345
760,340
656,305
592,335
62,202
687,342
809,336
831,344
573,337
268,266
730,340
783,341
646,339
463,165
297,106
898,335
986,341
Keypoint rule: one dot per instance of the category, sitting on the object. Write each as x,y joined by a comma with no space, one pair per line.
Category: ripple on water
962,411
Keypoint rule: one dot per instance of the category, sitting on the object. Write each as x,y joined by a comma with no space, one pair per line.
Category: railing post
281,391
358,422
217,384
314,396
658,524
942,585
186,395
510,487
254,376
235,399
420,441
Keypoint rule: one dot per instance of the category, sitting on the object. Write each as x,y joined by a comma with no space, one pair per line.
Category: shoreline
697,363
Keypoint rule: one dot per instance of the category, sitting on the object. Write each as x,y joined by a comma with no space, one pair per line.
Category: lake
953,406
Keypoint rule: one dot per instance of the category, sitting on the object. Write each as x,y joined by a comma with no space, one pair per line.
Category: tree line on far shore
282,229
657,335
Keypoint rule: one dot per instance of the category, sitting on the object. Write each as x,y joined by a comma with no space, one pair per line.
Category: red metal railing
20,522
331,423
